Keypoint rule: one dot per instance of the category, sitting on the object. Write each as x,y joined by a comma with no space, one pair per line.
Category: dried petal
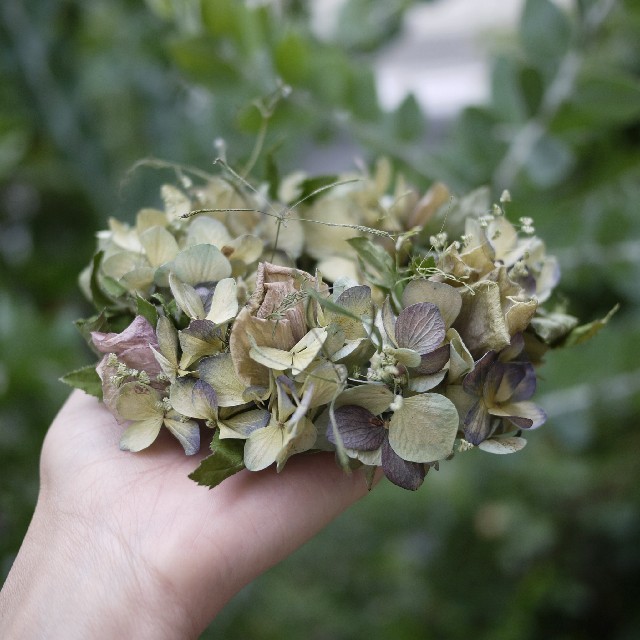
477,423
159,245
503,445
132,346
224,304
420,327
444,296
525,415
201,263
263,446
141,434
375,397
434,361
219,372
424,428
408,475
244,424
187,298
358,427
187,433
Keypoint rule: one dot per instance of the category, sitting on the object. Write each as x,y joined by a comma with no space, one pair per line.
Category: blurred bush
539,545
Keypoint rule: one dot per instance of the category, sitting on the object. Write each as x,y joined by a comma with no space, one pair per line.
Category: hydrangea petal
424,428
224,304
434,361
420,327
220,373
263,446
186,298
159,245
187,434
460,361
473,382
525,415
141,434
201,263
206,230
357,302
444,296
408,475
477,423
358,427
503,445
194,398
375,397
137,401
481,322
244,424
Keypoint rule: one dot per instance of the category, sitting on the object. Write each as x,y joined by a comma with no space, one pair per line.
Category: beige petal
263,446
481,323
305,351
374,397
220,373
159,245
224,304
141,434
186,298
460,361
137,401
201,263
147,218
206,230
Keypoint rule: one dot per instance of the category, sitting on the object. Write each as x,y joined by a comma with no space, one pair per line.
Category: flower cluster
395,347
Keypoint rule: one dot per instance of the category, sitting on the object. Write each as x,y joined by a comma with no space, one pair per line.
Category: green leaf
409,121
545,32
85,378
227,459
587,331
291,58
376,262
147,310
95,323
99,297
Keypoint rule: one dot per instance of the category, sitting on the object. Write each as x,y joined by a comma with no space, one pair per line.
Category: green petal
326,378
205,230
201,263
141,434
262,447
137,401
424,428
187,433
186,298
305,351
194,399
244,424
220,373
374,397
201,338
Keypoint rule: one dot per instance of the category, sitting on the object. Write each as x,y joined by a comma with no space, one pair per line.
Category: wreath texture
335,313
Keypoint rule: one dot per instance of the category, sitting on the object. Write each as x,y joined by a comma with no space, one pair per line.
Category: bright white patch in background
442,55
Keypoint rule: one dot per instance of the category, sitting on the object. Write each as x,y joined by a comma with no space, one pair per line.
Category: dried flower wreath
355,317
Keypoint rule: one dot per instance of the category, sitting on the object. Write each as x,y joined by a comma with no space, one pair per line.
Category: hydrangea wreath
344,318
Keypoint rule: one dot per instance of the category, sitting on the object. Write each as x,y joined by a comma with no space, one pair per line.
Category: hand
125,545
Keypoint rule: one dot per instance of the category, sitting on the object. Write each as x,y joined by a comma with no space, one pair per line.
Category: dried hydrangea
398,345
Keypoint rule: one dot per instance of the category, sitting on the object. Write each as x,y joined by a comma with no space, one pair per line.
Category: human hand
126,545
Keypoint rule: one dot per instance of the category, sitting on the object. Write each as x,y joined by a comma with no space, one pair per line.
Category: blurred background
539,97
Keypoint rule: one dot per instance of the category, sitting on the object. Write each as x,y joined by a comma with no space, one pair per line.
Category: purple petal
512,374
204,393
434,361
527,386
477,424
473,382
358,427
420,327
514,349
132,346
408,475
526,415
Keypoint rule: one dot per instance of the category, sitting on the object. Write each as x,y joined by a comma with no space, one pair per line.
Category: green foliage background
539,545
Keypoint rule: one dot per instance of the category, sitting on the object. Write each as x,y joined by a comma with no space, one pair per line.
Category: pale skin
125,545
